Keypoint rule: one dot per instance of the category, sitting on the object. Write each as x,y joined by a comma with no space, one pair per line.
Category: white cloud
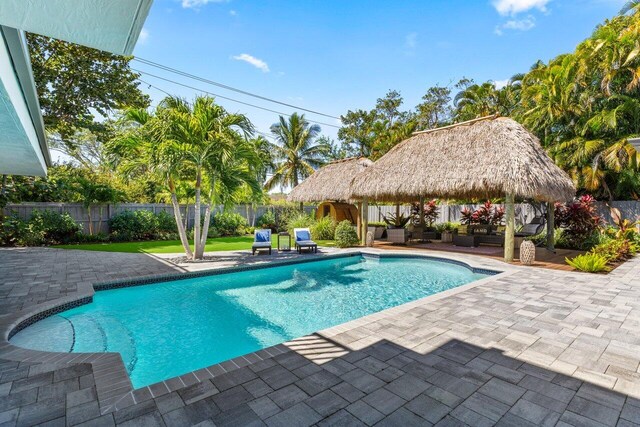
144,36
194,4
516,25
233,13
499,84
411,40
513,7
258,63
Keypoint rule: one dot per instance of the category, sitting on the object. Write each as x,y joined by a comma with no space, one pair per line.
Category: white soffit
109,25
23,150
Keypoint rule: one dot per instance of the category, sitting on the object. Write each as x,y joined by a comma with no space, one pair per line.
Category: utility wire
224,97
266,135
221,85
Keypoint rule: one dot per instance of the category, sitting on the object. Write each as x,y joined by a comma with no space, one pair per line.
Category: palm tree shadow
313,281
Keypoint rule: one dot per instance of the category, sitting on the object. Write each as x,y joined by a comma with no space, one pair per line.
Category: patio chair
261,240
417,233
303,240
535,226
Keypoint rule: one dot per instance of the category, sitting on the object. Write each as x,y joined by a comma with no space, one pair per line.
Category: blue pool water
167,329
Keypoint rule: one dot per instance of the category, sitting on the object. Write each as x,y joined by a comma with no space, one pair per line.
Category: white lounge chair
261,240
303,240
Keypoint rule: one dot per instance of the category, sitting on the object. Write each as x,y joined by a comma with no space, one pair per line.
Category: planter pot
377,232
447,237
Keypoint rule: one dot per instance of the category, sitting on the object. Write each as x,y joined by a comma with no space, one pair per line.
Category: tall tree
297,151
74,82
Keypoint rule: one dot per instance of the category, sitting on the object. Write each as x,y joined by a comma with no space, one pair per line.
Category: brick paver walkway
529,347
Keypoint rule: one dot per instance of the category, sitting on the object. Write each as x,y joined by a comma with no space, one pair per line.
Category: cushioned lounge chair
303,240
261,241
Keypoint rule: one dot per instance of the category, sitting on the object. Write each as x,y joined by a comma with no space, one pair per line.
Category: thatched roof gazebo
483,158
331,183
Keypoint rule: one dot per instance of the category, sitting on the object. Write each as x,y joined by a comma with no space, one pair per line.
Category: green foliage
267,220
166,222
323,229
13,230
447,226
229,224
43,228
346,235
580,222
300,220
134,225
377,224
297,152
396,221
589,262
616,250
54,227
73,81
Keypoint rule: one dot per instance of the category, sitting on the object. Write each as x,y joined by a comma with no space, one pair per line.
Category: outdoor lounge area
222,213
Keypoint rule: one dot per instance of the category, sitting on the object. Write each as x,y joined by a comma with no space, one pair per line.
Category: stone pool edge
113,385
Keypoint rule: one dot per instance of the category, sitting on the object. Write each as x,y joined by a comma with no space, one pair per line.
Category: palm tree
197,142
297,152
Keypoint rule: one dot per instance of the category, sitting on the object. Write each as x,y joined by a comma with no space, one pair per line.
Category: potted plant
396,221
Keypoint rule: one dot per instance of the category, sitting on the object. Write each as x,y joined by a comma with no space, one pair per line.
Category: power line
266,135
224,86
224,97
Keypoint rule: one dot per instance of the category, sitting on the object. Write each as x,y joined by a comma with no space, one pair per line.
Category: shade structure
483,158
330,182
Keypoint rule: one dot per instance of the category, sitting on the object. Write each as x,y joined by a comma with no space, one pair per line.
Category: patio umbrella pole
510,230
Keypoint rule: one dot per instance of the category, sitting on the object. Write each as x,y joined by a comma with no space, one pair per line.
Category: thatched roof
482,158
330,182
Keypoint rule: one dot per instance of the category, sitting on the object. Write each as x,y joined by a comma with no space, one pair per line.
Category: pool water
167,329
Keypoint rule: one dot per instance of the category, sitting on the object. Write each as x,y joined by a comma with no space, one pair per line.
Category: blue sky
332,56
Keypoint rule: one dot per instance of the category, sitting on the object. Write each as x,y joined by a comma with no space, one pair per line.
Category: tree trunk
205,227
178,216
301,207
197,216
90,222
509,234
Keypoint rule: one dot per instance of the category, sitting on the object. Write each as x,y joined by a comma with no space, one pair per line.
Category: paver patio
528,347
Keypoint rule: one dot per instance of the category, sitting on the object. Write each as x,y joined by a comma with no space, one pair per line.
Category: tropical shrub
323,229
488,213
615,250
267,220
346,235
579,220
166,222
447,226
430,213
589,262
377,224
299,220
133,225
54,227
13,230
229,224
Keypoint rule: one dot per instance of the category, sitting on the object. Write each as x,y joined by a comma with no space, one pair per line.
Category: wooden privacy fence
101,214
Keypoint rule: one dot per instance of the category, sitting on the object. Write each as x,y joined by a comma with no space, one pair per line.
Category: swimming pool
166,329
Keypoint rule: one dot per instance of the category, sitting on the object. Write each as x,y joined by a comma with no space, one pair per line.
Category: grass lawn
174,246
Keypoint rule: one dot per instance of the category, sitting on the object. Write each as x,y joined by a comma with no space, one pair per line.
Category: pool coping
113,385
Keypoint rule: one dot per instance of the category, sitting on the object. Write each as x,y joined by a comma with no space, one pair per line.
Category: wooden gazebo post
365,221
359,221
509,234
551,226
421,212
